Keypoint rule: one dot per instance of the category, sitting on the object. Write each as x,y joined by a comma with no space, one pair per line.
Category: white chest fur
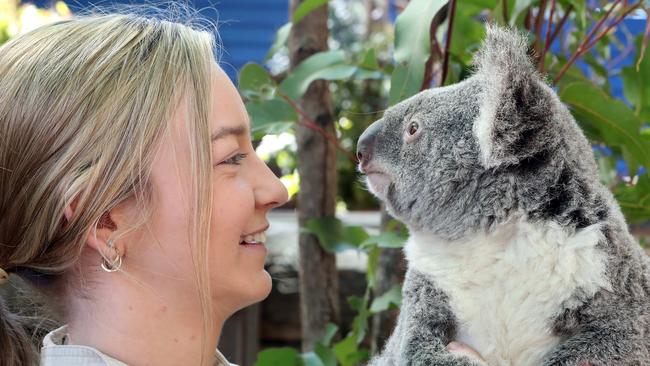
506,287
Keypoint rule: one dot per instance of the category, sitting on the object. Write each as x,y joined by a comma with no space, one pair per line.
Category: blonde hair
84,104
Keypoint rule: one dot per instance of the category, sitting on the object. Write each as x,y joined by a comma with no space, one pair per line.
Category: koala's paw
443,358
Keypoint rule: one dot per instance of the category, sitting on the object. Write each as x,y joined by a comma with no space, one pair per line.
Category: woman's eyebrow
227,131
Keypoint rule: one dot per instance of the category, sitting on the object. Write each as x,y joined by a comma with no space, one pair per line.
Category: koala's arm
425,326
607,331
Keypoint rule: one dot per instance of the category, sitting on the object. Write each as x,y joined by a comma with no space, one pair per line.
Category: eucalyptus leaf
373,261
255,82
325,354
333,235
617,124
412,47
346,351
390,299
635,200
285,356
330,332
307,7
329,65
270,116
370,60
281,37
387,239
311,359
636,84
520,6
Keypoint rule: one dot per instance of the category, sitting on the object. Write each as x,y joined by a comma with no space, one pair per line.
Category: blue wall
247,27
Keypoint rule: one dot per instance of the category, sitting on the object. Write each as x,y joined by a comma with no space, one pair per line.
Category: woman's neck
140,327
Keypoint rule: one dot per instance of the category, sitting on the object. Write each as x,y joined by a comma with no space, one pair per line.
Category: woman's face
244,190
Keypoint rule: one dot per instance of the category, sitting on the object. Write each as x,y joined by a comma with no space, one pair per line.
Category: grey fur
537,162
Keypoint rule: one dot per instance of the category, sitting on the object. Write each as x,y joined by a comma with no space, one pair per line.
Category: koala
515,247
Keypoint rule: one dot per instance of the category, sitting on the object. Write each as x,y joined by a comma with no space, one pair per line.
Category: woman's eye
234,160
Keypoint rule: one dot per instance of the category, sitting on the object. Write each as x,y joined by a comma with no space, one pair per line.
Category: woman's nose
270,193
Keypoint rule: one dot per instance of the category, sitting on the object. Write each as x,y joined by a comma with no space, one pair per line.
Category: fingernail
454,346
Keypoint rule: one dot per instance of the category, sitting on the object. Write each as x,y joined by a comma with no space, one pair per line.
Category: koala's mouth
378,181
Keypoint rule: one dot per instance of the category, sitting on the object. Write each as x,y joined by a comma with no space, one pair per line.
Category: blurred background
315,73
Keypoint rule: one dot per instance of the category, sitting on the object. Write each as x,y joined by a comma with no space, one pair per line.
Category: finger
457,347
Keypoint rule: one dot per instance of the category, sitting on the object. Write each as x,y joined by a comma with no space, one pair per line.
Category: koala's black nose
366,144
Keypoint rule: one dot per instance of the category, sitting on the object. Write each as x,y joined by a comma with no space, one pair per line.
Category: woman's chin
255,289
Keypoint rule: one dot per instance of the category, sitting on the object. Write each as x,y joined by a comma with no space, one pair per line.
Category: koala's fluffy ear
516,107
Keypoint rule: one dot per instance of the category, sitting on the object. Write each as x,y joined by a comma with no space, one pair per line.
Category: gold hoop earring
116,263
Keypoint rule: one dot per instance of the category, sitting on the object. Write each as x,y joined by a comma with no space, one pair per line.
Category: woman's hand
461,348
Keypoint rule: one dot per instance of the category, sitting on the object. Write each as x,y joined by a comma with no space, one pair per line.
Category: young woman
130,193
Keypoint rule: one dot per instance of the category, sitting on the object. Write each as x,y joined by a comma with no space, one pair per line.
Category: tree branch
616,22
435,52
582,47
560,25
450,21
538,27
311,124
547,44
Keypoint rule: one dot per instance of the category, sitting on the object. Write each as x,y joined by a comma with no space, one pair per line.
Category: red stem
547,44
538,26
616,22
445,63
644,43
581,48
561,23
311,124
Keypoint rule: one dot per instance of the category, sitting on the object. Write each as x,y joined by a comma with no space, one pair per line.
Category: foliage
16,18
579,46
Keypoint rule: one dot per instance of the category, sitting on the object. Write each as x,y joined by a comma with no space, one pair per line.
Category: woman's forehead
227,107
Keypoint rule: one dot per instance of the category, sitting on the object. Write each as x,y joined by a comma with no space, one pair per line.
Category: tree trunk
319,303
390,271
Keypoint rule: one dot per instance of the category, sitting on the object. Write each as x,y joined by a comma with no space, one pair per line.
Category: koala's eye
413,128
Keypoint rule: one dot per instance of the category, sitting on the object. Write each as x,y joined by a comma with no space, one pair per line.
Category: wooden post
319,302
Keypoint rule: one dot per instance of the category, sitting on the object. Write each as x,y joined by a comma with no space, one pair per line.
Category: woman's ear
98,236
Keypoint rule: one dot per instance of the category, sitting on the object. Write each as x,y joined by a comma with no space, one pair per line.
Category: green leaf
360,321
333,236
281,37
388,239
255,82
412,47
373,261
635,200
348,353
329,65
325,354
636,84
270,116
307,7
392,298
330,332
277,356
482,3
370,60
616,123
310,359
402,85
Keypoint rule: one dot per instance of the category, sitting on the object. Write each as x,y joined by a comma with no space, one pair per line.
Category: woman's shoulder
55,352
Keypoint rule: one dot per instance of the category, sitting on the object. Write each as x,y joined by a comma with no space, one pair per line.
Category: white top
55,353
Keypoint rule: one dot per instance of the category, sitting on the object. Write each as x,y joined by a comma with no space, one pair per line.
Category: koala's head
456,159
